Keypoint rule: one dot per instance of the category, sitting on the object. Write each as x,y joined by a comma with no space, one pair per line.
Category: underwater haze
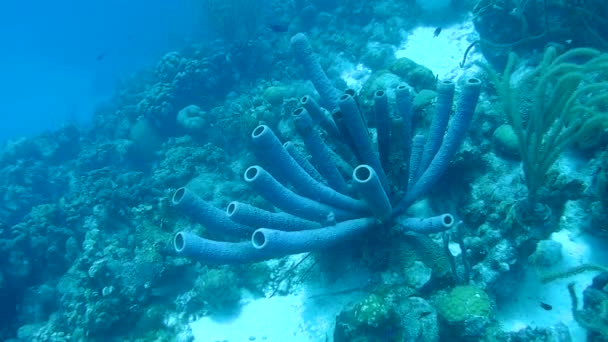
304,170
63,58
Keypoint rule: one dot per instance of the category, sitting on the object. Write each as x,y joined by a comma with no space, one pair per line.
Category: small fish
546,306
278,27
100,56
437,32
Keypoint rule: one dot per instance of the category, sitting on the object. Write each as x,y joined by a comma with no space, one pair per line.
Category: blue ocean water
304,171
61,59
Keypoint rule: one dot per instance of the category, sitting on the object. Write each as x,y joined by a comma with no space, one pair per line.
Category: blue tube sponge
415,155
357,129
215,220
278,242
314,71
318,114
270,149
318,149
403,100
301,159
429,225
467,101
281,197
217,252
383,125
255,217
368,185
443,110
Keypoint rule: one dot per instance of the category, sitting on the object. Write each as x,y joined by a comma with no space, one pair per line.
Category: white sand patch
307,315
442,54
291,318
525,310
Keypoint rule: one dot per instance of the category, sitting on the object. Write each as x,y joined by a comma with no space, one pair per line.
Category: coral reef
90,215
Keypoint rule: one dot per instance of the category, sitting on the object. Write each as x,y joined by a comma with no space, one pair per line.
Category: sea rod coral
320,204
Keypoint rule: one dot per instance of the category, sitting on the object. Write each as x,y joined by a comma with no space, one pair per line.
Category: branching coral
539,22
595,320
552,106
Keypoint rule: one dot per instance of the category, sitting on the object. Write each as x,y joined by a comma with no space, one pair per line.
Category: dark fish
100,56
546,306
437,32
278,27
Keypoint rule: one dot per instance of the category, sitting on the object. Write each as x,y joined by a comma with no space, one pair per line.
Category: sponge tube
415,155
383,125
271,150
314,72
360,136
317,113
217,252
214,219
281,197
368,185
304,163
278,242
255,217
318,150
403,100
467,101
443,110
429,225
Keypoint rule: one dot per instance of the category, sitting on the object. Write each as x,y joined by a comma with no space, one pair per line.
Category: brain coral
192,118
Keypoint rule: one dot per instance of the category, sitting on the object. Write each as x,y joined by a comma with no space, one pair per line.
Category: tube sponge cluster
343,190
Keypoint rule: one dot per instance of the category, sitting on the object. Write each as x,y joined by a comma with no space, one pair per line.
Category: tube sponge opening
366,181
231,208
258,239
362,173
447,220
251,173
178,242
258,131
178,195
